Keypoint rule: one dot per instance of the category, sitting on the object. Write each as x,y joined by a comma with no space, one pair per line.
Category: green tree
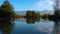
32,16
6,6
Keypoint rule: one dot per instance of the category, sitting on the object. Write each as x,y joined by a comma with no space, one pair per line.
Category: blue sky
21,5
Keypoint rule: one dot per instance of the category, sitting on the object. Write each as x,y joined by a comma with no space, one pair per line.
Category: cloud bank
44,3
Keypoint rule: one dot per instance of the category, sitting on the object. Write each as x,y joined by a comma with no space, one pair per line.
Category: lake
25,26
20,26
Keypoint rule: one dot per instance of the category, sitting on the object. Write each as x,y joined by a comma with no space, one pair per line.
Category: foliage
46,15
32,16
6,6
20,16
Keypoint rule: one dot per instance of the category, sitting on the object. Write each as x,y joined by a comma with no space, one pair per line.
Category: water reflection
43,26
30,20
6,27
47,28
57,27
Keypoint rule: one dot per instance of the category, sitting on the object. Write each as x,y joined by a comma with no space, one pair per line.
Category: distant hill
47,12
41,12
20,12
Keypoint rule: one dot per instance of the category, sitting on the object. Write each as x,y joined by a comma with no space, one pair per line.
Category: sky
21,5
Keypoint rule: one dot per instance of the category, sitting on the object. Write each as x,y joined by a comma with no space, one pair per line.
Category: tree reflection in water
6,26
57,27
30,20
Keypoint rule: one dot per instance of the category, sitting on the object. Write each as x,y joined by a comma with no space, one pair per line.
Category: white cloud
44,3
50,2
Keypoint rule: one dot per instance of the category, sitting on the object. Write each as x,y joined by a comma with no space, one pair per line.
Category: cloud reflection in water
45,26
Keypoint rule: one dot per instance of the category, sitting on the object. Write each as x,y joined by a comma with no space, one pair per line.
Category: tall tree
6,6
57,7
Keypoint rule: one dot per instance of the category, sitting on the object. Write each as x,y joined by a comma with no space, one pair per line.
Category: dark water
20,26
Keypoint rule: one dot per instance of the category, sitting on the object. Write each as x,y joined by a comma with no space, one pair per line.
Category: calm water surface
20,26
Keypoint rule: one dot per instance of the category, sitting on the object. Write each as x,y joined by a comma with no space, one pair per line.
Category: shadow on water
6,27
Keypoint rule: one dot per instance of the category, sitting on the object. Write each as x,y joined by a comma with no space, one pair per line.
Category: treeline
34,16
